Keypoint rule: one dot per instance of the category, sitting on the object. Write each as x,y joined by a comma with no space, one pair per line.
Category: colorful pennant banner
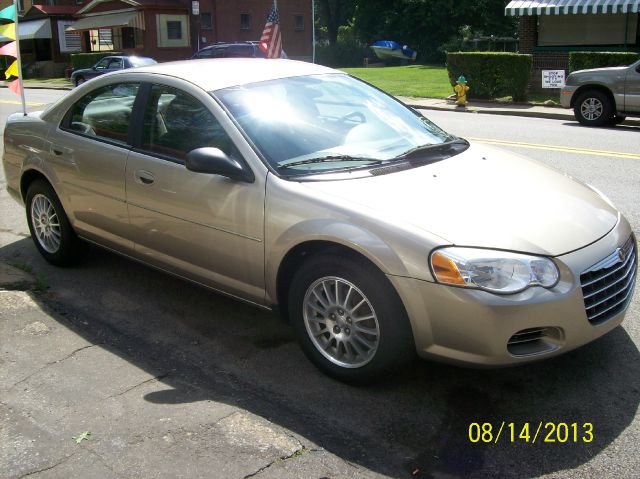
12,49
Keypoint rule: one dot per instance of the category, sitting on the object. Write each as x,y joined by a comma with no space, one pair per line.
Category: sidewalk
495,108
140,420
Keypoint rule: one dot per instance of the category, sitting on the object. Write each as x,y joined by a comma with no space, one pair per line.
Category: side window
239,51
104,113
176,123
116,64
102,64
210,53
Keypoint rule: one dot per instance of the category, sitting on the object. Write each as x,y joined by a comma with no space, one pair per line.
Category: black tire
69,248
80,80
395,344
616,119
593,108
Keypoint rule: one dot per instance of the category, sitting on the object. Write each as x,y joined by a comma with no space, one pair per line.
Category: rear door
89,151
204,227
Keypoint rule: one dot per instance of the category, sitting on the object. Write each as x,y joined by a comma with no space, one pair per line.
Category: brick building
550,29
162,29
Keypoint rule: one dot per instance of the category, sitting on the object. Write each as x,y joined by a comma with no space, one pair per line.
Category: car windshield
326,122
141,61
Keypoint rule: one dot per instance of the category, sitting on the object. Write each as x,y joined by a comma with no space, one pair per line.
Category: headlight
493,271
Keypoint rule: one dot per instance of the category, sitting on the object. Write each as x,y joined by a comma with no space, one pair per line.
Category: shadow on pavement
416,425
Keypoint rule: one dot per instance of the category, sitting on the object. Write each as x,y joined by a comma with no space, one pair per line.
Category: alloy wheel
591,108
341,322
45,223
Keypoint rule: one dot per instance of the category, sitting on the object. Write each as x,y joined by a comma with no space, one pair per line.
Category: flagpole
313,31
19,60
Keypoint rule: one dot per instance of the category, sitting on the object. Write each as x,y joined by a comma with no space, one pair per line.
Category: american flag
271,42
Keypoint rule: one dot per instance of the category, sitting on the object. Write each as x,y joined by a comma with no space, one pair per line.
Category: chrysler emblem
621,254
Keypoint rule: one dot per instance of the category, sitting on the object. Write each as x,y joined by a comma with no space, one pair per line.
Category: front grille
608,285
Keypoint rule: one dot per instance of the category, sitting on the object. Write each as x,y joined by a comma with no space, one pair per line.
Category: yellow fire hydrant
461,90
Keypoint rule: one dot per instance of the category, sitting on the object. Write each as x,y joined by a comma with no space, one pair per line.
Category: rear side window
210,53
240,51
175,123
105,113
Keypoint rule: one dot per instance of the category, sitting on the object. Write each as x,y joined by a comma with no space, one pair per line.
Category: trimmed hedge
87,60
586,60
491,74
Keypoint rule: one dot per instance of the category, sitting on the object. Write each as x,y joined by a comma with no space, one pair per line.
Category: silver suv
603,96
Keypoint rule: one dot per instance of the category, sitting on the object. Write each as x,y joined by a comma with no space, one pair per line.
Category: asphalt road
416,425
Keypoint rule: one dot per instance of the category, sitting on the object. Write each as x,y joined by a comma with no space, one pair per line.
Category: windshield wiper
457,145
331,159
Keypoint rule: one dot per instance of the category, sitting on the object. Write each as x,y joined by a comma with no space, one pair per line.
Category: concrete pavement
56,384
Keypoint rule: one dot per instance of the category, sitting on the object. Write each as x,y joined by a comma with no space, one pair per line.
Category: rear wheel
593,108
49,226
349,320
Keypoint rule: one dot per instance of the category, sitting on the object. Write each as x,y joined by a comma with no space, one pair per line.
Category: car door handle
145,177
60,150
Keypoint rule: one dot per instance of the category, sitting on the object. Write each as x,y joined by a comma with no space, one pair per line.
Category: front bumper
566,94
473,327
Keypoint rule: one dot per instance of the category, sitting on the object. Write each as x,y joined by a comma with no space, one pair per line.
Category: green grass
424,81
414,80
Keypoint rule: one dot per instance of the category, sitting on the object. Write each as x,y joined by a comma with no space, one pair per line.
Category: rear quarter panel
25,148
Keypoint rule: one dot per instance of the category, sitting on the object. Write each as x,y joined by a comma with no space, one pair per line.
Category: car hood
486,198
600,71
83,71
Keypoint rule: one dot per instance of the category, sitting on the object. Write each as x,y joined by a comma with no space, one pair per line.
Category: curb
530,114
630,121
43,87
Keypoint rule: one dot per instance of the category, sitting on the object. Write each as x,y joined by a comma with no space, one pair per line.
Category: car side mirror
214,161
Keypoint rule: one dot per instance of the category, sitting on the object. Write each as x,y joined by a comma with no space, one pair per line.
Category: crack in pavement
155,378
26,378
102,460
48,468
279,460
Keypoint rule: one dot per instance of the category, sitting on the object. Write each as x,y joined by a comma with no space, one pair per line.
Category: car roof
216,73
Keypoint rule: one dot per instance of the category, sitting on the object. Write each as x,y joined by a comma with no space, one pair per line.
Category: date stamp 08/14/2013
531,432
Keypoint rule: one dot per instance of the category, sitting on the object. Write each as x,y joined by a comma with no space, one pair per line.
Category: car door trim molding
241,235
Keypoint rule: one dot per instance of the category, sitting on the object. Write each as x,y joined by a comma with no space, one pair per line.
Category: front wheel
80,80
349,320
593,108
49,226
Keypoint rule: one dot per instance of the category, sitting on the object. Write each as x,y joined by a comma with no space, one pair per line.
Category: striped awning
108,20
567,7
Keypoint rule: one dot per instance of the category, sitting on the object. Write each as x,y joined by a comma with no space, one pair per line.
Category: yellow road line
15,102
565,149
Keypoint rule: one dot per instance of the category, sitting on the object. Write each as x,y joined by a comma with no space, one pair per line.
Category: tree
333,14
426,24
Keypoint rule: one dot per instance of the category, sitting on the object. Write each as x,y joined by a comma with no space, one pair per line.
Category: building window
21,5
205,21
298,23
245,21
174,30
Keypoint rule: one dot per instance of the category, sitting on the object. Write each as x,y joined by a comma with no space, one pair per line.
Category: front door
632,90
205,227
